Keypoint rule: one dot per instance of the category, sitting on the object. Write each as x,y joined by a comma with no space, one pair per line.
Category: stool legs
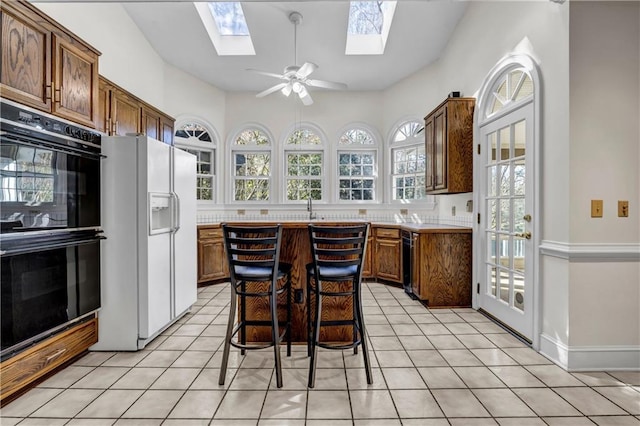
275,336
315,336
227,339
357,302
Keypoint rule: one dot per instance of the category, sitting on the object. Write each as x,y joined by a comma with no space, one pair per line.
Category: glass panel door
506,275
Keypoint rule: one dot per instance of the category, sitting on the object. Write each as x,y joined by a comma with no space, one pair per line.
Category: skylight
229,17
369,25
227,27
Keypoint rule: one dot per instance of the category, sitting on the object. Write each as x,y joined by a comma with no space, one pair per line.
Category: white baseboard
590,358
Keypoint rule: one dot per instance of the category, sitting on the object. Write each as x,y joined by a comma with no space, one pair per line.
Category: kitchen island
384,260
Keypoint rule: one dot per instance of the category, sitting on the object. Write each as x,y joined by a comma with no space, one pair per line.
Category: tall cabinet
449,147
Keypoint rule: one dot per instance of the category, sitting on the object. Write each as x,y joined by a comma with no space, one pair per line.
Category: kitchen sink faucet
310,208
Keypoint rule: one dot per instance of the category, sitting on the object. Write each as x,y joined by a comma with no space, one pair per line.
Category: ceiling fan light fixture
297,87
286,90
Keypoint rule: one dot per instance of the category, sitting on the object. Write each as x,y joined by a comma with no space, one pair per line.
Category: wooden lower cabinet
212,259
441,275
388,254
26,367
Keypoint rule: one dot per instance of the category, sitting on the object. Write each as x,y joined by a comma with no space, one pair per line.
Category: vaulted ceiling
419,33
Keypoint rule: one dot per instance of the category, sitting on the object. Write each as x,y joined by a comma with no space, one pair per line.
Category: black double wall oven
49,225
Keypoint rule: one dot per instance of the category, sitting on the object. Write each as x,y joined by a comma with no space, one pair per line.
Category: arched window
357,165
515,86
304,164
198,139
251,163
408,162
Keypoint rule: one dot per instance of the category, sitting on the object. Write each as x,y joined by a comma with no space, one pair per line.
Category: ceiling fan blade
305,97
306,69
271,90
327,84
286,90
270,74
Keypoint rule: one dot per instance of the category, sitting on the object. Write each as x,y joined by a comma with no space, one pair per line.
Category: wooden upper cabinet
449,147
120,113
167,125
125,113
151,122
76,82
103,124
25,68
45,66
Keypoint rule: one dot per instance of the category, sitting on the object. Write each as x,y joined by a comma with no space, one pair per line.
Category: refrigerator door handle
176,209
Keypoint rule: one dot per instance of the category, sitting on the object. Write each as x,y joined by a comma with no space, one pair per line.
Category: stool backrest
252,251
339,247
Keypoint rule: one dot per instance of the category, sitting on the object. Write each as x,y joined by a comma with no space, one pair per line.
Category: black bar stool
338,253
253,254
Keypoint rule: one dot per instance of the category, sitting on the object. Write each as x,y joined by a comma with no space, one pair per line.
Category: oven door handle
48,245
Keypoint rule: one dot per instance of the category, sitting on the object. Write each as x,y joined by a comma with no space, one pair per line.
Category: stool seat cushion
255,272
334,271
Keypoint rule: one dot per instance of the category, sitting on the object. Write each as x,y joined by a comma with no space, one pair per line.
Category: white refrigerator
149,257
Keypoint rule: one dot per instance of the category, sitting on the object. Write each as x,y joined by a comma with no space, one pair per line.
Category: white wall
604,307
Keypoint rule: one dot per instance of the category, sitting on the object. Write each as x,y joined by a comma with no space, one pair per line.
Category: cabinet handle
56,92
114,131
107,127
48,91
56,354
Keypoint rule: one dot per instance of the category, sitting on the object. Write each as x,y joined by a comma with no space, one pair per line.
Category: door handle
525,235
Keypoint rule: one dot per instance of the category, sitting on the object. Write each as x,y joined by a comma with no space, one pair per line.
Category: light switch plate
596,208
623,208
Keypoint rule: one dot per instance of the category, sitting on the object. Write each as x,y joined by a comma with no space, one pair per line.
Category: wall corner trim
591,252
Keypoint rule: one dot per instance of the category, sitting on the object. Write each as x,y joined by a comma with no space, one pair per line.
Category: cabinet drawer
24,368
208,233
387,233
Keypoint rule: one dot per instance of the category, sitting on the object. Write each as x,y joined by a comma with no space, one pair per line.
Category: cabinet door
25,67
103,123
76,82
212,260
440,149
388,256
166,126
150,123
125,114
428,135
367,263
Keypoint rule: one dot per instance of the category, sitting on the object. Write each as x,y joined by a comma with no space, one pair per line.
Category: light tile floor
430,368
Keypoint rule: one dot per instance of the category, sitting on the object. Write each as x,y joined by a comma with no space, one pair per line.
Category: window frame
373,148
213,148
428,201
320,148
250,149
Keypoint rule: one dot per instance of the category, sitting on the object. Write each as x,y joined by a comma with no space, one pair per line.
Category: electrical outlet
362,212
240,212
264,211
623,208
298,295
453,211
404,211
596,208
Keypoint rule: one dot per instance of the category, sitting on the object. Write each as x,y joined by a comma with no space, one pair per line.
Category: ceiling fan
296,78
